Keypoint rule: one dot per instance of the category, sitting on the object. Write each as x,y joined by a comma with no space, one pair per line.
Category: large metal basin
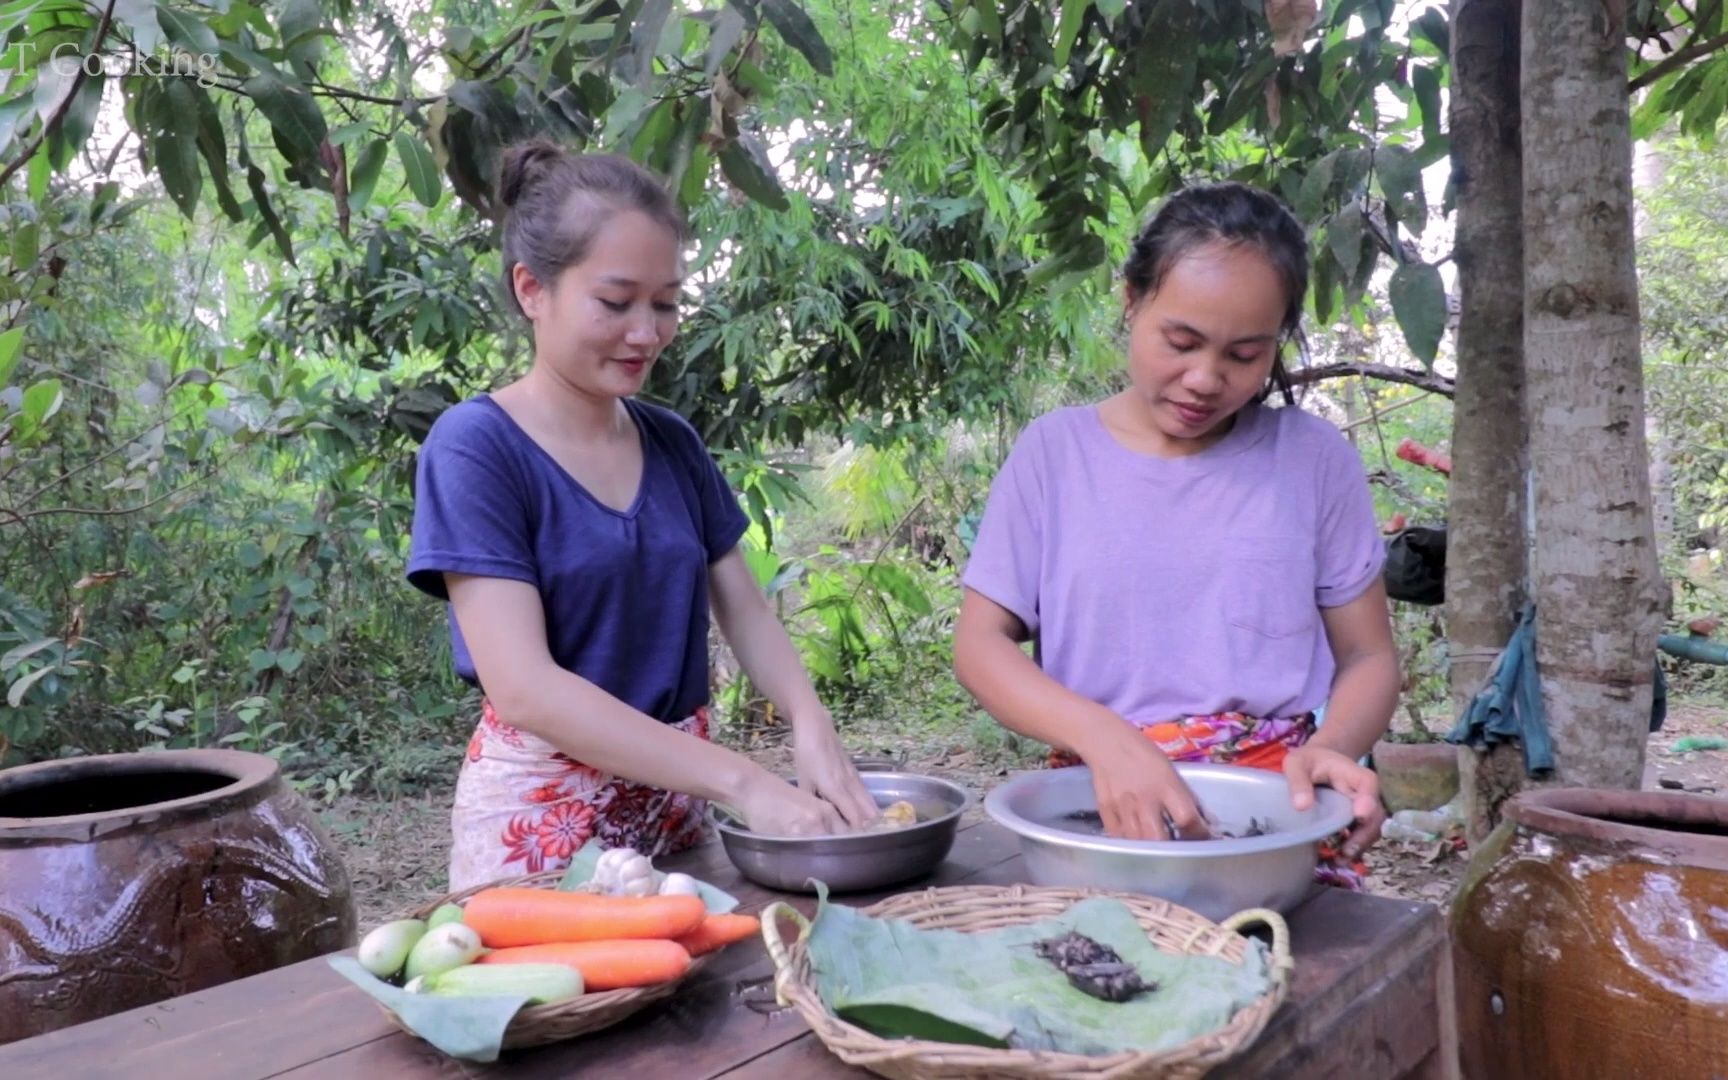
1213,877
854,861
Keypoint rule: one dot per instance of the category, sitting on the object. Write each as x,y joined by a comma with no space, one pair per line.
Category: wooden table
1370,998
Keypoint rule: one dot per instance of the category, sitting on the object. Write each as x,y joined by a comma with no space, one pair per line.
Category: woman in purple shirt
1199,571
581,538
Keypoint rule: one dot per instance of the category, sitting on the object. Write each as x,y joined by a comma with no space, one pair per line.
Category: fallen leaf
100,577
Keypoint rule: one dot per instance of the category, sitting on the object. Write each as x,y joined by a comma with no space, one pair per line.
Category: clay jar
129,878
1590,938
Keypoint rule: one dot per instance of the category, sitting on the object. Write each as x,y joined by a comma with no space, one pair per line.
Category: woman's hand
1306,766
826,770
1140,796
773,807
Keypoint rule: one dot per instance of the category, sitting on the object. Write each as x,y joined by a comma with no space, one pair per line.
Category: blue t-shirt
625,593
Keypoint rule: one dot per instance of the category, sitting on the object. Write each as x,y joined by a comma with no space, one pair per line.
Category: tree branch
1678,58
1437,384
15,517
60,110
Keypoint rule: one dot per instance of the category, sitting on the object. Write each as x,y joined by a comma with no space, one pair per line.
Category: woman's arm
504,626
1136,785
1364,693
771,661
1365,685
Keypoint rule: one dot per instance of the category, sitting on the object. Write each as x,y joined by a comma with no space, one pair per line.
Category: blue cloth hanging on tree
1509,705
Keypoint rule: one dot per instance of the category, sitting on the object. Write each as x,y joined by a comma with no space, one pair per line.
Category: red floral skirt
522,806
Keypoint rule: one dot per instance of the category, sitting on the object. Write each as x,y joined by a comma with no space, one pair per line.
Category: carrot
719,931
516,916
605,965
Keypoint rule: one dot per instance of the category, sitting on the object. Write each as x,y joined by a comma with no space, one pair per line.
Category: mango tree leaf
723,34
1419,301
421,169
213,145
1401,179
745,163
363,177
139,16
1073,17
989,19
15,695
17,656
79,120
255,181
186,29
10,345
795,27
1427,86
174,143
645,33
1344,238
291,111
1164,73
41,401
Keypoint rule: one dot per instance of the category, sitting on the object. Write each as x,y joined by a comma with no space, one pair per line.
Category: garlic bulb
623,872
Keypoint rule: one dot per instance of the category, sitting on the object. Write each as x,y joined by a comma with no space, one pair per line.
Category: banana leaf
992,989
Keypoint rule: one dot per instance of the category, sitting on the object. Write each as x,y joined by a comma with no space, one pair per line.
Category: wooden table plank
1363,965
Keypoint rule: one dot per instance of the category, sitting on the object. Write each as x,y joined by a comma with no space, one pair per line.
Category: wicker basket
988,907
537,1025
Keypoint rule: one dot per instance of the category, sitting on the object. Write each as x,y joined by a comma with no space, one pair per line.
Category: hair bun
523,164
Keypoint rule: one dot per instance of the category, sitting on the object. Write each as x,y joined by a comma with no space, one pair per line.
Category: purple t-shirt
1170,587
625,593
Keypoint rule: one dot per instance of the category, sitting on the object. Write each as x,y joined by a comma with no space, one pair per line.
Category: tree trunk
1485,550
1595,577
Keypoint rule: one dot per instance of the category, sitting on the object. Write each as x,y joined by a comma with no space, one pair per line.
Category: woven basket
988,907
537,1025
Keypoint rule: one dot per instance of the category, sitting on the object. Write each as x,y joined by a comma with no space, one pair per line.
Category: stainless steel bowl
854,861
1213,877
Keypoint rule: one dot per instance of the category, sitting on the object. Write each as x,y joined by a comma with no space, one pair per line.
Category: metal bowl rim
727,829
1333,808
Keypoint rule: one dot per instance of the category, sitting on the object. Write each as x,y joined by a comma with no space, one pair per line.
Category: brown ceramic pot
129,878
1590,938
1416,776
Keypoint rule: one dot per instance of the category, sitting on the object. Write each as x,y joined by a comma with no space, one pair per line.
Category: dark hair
1227,213
557,201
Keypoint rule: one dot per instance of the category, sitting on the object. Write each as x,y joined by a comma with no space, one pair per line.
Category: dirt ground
396,851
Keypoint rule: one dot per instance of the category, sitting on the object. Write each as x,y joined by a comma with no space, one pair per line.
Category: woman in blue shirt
581,537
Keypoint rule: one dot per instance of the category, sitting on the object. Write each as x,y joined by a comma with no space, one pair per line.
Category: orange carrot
719,931
605,965
516,916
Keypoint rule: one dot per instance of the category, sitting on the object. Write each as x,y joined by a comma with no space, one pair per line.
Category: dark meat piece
1092,967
